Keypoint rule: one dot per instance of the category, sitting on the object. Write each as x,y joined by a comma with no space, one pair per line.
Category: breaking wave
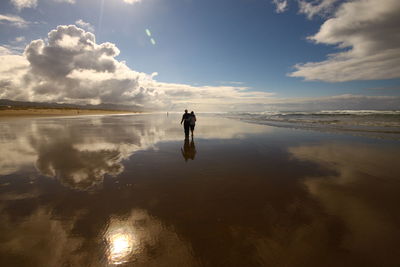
366,121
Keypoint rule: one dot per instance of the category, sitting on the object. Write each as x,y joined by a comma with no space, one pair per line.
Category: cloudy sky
208,55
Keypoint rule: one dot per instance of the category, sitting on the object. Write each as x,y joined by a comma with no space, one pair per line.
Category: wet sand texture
32,112
131,191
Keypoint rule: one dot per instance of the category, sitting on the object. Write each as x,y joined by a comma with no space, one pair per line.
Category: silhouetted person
189,149
186,122
192,121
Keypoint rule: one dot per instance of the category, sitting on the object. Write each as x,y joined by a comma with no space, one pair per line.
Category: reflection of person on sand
189,149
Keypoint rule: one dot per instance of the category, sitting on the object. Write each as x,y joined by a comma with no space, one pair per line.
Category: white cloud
19,39
280,5
20,4
71,67
338,102
66,1
132,1
84,25
369,30
4,51
316,7
13,20
12,71
15,46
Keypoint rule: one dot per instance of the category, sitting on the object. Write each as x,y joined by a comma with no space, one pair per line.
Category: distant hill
6,103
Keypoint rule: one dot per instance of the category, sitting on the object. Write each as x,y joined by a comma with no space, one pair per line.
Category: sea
376,123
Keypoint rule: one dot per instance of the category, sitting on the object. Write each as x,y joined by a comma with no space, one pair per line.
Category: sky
204,55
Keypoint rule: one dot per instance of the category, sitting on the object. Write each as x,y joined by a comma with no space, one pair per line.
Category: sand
131,190
34,112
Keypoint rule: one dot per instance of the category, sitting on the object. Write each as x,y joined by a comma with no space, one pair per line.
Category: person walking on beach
186,122
192,122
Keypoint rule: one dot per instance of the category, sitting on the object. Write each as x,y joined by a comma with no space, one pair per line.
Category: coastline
375,124
48,112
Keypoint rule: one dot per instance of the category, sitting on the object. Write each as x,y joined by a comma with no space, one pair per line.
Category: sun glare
121,243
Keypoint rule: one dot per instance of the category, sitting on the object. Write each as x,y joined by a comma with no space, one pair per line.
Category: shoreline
49,112
360,128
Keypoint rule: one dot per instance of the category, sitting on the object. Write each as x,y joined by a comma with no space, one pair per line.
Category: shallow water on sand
131,191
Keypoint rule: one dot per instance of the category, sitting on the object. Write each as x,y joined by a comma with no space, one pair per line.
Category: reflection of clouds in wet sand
80,152
16,151
38,240
363,195
79,169
215,127
42,240
243,204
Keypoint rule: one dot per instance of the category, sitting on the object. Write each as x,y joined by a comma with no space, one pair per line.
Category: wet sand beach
132,191
43,112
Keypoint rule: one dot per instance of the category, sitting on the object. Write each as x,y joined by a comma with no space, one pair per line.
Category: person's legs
186,126
192,129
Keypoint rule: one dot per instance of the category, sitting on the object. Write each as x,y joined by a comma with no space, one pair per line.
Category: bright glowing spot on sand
148,32
152,41
121,244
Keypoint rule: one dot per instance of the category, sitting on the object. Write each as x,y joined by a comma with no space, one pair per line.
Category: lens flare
148,32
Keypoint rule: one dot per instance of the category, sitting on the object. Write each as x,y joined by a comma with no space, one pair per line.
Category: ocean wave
368,121
323,112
